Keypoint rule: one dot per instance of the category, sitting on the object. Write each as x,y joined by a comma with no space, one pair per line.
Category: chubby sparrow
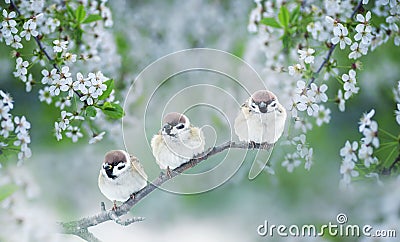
177,142
261,119
121,175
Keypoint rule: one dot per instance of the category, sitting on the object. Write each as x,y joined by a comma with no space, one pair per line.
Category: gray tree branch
332,48
37,40
80,227
41,47
388,171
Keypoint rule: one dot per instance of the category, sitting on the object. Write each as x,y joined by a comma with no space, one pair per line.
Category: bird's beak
167,129
263,107
107,167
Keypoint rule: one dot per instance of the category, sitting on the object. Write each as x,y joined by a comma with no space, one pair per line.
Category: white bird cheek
103,172
256,109
117,172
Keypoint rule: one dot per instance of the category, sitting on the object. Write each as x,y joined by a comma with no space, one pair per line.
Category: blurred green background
144,31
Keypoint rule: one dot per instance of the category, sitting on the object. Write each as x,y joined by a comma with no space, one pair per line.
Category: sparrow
261,119
177,142
121,175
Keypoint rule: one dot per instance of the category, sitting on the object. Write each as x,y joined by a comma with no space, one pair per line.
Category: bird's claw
114,208
266,145
252,145
169,173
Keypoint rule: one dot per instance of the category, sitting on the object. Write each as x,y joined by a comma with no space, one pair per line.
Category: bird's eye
273,104
180,126
253,105
120,165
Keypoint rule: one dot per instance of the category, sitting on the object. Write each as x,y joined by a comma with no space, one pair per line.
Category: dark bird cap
174,118
114,157
263,96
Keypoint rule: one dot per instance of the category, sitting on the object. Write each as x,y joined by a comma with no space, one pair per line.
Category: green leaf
112,110
80,14
294,15
107,92
92,18
283,17
7,190
271,22
90,111
70,11
106,105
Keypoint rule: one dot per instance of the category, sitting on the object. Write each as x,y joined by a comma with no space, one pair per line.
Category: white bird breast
260,127
172,152
120,188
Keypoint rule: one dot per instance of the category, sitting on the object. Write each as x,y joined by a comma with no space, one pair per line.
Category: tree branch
395,162
45,53
41,47
332,48
39,43
13,6
80,227
388,171
82,233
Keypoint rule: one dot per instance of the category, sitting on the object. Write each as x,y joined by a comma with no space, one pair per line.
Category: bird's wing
156,144
138,166
240,125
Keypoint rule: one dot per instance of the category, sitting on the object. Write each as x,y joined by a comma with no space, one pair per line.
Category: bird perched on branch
261,119
177,142
121,175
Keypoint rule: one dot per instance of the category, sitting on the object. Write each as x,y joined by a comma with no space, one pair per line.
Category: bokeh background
60,180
